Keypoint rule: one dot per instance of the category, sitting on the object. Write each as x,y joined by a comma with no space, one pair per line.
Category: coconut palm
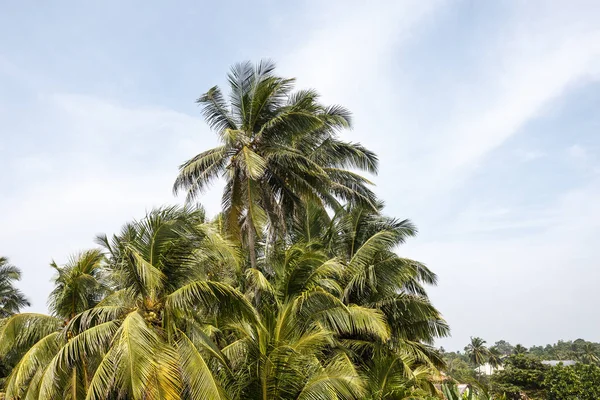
168,332
477,351
295,291
79,285
279,148
11,298
11,301
155,286
374,275
298,349
589,355
519,349
494,357
34,339
398,375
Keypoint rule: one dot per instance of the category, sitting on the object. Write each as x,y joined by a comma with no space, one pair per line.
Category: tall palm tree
477,351
279,148
11,298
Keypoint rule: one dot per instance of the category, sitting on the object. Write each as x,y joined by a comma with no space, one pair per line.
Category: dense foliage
578,382
294,291
521,371
521,374
11,301
11,298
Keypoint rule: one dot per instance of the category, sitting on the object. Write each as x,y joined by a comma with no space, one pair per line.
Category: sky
484,116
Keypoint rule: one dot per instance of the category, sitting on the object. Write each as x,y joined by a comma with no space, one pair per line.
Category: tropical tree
374,276
522,374
11,298
33,339
299,350
398,375
279,149
11,301
477,351
504,347
78,285
494,357
294,291
589,354
520,349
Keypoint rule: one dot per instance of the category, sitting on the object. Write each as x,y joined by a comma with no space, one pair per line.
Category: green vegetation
293,291
11,301
522,372
11,298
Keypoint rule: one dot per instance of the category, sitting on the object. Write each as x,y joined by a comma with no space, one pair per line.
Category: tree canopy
294,290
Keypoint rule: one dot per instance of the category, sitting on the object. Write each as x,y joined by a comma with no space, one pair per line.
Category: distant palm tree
494,357
477,351
279,148
520,349
589,355
11,298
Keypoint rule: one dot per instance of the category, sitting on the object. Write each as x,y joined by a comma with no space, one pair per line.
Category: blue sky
484,114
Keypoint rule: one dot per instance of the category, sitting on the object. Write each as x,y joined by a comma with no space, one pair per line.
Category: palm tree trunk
74,384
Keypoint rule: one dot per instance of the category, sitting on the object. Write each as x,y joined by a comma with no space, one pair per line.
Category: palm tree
589,354
79,285
398,376
167,332
11,298
279,148
34,339
66,354
299,348
374,275
494,357
295,291
520,349
11,301
477,351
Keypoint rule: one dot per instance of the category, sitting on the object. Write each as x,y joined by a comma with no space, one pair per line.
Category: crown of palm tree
11,298
279,149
